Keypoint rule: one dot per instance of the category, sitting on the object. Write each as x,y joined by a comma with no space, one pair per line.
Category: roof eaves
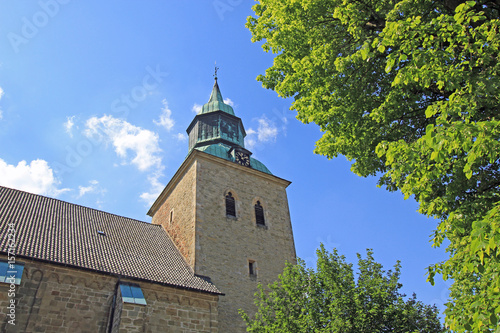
215,290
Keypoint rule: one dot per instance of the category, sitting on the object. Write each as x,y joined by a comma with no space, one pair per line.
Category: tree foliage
330,299
408,90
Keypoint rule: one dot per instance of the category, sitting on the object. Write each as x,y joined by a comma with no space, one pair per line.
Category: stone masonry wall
52,298
182,203
179,311
58,299
226,245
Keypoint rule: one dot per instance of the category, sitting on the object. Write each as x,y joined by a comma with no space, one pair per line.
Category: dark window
251,268
171,216
259,214
230,205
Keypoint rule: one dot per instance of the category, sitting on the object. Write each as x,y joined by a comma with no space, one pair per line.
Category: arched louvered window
259,214
230,205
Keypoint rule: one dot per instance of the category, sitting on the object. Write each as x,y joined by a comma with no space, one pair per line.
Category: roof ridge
75,204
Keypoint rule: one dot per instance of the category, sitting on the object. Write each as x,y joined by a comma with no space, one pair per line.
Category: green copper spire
216,102
216,95
218,132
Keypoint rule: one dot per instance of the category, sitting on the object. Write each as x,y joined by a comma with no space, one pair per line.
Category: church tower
226,212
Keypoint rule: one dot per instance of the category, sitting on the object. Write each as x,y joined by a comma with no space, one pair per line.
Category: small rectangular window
11,273
132,293
252,268
171,216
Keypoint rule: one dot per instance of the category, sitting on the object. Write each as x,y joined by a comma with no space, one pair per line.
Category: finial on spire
216,69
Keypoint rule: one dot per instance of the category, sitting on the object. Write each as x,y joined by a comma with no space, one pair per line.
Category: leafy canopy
331,299
408,90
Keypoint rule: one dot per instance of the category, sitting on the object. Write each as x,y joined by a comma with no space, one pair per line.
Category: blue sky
96,96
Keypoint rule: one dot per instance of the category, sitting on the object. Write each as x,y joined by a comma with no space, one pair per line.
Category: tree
329,299
410,91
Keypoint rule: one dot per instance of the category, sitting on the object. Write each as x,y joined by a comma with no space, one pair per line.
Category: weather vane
216,69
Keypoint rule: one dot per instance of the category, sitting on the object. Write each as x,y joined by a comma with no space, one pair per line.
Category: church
219,228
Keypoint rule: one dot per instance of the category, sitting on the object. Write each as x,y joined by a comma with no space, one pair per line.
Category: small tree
330,299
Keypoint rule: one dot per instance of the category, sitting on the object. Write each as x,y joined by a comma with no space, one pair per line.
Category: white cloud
36,177
155,188
181,136
125,137
250,143
68,125
165,117
228,102
128,139
196,108
82,190
266,132
250,131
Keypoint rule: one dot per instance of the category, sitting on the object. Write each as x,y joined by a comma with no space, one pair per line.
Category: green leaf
390,64
365,51
493,319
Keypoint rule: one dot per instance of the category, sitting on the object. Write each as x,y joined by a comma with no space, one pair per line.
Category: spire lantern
217,131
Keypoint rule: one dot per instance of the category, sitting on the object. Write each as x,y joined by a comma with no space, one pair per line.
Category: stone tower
226,212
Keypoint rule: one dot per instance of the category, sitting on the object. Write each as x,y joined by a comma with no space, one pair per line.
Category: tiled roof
61,232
